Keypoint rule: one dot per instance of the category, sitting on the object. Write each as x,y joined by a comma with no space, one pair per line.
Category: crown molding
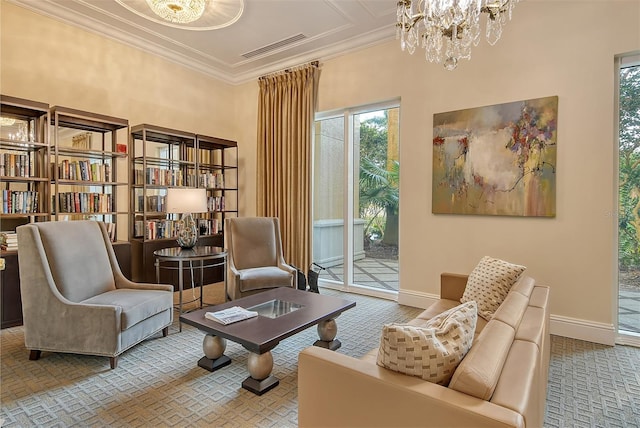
58,12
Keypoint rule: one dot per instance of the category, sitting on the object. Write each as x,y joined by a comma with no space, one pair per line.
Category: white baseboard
584,330
560,325
416,299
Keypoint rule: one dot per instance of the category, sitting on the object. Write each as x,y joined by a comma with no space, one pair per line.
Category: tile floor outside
383,274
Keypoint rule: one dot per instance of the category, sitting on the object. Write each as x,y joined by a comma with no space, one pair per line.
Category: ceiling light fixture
179,11
447,29
191,15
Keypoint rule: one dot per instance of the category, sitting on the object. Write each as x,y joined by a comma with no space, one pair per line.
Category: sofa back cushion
479,372
433,351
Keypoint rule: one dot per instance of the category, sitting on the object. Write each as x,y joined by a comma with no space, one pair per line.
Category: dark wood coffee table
283,312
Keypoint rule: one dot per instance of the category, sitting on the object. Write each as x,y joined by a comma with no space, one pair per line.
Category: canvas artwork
496,160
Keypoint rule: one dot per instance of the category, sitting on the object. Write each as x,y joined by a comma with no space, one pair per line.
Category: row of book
9,241
159,177
155,229
153,203
172,177
15,165
215,203
19,201
211,180
162,228
84,202
156,203
84,170
209,226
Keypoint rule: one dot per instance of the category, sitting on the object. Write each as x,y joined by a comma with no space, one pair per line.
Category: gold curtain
286,108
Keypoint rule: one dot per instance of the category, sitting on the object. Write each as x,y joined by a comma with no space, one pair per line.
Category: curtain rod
290,69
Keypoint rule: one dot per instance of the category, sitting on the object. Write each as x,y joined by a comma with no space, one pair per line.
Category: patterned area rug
158,382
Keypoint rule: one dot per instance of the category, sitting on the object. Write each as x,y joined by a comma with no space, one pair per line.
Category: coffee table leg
214,358
327,330
260,366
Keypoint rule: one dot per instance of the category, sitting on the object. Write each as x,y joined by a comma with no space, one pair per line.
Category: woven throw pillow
489,283
431,352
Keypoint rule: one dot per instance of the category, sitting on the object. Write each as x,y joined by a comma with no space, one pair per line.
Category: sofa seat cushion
489,283
264,277
431,352
479,372
437,308
137,305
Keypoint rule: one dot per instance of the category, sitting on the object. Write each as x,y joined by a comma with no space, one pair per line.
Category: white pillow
431,352
489,283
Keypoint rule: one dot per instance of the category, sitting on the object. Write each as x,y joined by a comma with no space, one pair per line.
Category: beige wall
563,48
550,48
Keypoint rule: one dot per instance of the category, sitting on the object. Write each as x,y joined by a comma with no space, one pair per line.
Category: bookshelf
89,169
24,174
163,158
217,166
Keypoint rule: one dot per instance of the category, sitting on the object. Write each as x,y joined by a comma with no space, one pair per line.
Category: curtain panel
286,108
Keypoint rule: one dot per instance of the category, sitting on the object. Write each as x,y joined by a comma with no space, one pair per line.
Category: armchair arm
338,390
233,279
123,282
452,285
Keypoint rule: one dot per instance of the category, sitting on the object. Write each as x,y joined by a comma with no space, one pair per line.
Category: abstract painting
496,160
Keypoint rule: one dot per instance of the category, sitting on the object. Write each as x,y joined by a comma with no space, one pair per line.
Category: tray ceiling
270,34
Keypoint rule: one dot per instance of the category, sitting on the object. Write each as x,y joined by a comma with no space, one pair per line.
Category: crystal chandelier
447,29
179,11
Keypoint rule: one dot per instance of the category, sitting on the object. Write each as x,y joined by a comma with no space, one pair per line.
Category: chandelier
178,11
447,29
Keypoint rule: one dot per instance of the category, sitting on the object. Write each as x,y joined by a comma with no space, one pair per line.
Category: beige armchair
75,298
255,261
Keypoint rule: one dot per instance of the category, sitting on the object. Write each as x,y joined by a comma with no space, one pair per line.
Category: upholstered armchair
255,261
75,299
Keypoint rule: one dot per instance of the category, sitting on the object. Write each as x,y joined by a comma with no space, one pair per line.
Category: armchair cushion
264,277
136,305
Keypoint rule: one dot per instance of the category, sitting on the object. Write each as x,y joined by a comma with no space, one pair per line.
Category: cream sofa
501,382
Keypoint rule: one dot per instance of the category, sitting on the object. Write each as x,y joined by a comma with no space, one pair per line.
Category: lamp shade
186,200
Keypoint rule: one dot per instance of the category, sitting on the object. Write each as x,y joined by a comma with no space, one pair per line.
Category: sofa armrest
452,285
338,390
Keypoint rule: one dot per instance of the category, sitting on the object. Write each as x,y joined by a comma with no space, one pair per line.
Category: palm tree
379,197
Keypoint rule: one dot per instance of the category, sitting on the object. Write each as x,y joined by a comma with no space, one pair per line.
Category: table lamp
186,201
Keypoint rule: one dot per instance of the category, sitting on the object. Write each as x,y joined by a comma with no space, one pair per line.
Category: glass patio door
356,199
628,80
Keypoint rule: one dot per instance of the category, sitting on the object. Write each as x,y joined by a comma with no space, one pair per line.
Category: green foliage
379,193
629,169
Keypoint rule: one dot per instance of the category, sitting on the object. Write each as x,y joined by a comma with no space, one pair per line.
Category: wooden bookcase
163,158
24,174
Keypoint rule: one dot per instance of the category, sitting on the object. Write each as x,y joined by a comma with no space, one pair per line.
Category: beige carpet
158,383
213,294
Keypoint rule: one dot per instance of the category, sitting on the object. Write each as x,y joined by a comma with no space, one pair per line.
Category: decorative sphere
260,365
213,346
327,330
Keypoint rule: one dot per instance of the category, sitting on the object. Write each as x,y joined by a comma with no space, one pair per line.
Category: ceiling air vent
274,46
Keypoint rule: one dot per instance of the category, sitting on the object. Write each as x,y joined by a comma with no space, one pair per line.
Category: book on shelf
9,241
230,315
